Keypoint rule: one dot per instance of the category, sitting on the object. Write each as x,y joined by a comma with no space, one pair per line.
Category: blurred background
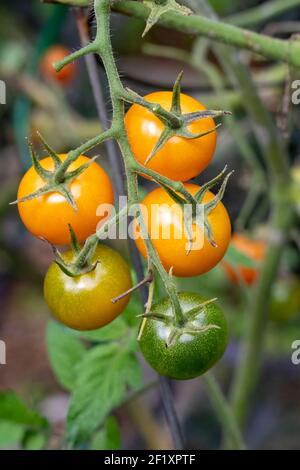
63,110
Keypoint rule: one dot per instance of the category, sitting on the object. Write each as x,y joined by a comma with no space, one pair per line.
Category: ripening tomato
84,302
255,250
190,355
165,224
48,216
180,159
52,55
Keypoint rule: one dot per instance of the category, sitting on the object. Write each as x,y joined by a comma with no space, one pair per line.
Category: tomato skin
180,159
254,249
48,216
52,55
191,355
161,213
84,302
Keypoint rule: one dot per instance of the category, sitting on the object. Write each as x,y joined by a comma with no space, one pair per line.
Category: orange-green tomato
48,216
52,55
255,250
180,158
165,224
84,302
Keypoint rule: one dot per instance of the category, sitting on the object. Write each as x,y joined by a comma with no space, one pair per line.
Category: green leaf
234,256
111,332
108,438
103,377
14,410
65,352
10,433
33,440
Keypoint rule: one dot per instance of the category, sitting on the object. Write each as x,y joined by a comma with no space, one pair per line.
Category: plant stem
272,48
223,411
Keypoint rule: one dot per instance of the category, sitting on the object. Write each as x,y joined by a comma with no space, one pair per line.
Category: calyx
189,326
57,180
175,122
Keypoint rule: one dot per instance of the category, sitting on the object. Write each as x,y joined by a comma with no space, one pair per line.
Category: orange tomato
180,159
255,250
48,215
163,217
52,55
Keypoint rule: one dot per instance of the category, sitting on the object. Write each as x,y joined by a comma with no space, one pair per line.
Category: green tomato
84,302
195,347
285,300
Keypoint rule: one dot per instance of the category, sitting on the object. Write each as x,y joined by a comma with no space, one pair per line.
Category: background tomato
163,216
180,159
48,216
52,55
84,302
191,354
254,249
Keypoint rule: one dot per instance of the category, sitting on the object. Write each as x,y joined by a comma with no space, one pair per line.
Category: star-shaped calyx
57,180
175,122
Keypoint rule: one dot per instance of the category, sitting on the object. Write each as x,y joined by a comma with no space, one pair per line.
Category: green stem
272,48
223,411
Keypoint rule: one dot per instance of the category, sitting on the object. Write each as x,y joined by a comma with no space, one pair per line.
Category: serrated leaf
103,377
65,352
14,410
236,257
108,438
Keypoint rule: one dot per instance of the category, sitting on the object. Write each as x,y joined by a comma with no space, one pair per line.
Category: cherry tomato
180,158
165,222
52,55
255,250
190,355
84,302
48,216
285,300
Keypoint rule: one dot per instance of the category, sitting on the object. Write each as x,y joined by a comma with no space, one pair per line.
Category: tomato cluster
83,299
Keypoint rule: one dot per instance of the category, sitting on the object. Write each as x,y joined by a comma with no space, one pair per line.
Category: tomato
285,300
163,216
52,55
255,250
48,216
84,302
190,355
180,159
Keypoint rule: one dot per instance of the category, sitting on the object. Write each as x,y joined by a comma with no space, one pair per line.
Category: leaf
33,440
108,438
103,377
10,433
14,410
65,352
111,332
234,256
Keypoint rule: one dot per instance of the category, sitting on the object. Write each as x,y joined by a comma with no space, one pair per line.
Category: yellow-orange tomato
180,158
52,55
48,216
255,250
165,224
